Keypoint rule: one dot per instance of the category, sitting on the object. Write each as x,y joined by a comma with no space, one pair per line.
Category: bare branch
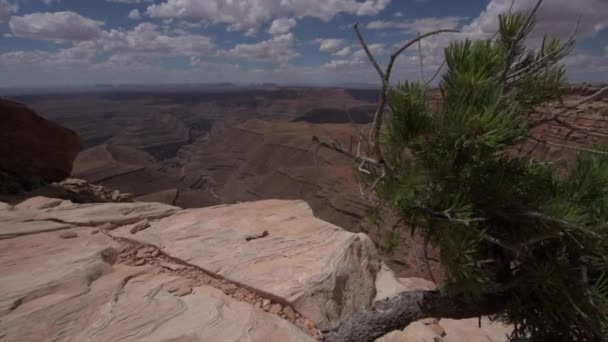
436,74
341,150
410,43
420,59
371,57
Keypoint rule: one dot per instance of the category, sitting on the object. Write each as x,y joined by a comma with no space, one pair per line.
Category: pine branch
520,35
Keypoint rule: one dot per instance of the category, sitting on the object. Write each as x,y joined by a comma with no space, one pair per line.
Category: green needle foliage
503,224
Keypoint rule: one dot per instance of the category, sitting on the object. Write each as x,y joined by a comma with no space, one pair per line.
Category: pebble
68,235
275,309
288,311
183,291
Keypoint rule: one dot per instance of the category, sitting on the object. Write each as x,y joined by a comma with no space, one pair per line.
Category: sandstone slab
53,289
322,271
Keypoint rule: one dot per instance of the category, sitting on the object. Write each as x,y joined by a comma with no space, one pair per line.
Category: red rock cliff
33,146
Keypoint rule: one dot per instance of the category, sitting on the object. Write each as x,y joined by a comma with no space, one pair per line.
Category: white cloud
330,44
146,39
134,14
6,10
55,26
418,25
373,7
344,52
282,26
557,17
249,15
277,50
129,1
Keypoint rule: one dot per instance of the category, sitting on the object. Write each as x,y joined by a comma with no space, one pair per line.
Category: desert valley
303,170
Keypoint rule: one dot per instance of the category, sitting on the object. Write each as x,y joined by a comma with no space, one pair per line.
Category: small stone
288,311
230,289
139,262
95,231
240,294
183,291
68,235
155,253
172,266
266,302
275,309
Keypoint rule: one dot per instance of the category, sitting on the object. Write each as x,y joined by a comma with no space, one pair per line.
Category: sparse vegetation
517,241
11,184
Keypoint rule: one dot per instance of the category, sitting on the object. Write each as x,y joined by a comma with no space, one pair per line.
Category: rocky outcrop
53,289
276,247
81,191
44,148
260,271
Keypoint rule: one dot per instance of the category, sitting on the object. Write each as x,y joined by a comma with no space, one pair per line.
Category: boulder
322,271
31,146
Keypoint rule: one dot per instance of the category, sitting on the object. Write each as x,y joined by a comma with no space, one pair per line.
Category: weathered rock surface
322,271
71,291
45,149
52,288
66,275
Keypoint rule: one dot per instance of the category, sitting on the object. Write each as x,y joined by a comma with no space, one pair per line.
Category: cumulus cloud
282,26
344,52
146,38
129,1
557,17
330,44
418,25
249,15
55,26
134,14
277,50
373,7
6,10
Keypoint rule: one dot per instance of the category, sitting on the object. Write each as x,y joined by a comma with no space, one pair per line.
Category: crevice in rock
135,253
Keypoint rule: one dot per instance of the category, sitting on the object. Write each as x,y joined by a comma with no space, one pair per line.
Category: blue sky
71,42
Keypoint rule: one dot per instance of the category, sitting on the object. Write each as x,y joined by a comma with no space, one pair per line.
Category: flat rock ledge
259,271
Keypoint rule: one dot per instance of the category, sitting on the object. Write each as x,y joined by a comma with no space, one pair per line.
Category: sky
86,42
